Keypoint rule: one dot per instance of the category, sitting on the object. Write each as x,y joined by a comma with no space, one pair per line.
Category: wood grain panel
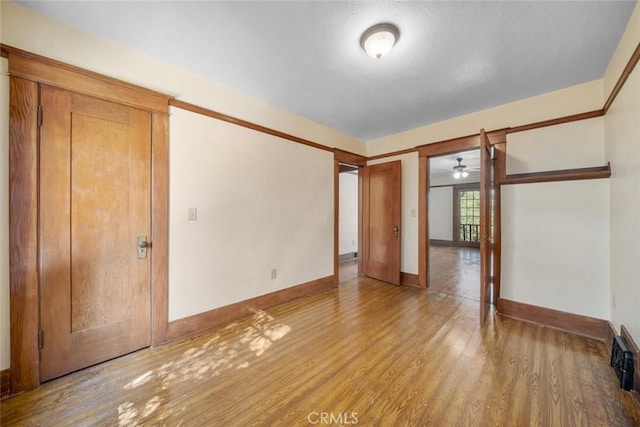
199,323
45,70
159,228
556,121
598,172
381,210
336,221
575,323
423,221
349,157
396,356
5,383
95,202
23,233
409,279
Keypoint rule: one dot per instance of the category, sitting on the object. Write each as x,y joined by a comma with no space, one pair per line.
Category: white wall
348,214
556,235
622,133
263,203
4,216
409,210
441,213
448,179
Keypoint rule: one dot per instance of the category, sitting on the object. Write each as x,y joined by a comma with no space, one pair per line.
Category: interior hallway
386,355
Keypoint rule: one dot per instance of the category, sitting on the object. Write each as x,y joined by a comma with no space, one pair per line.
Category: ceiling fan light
457,174
465,174
378,40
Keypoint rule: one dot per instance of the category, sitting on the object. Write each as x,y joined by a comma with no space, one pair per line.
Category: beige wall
622,134
529,205
262,203
348,214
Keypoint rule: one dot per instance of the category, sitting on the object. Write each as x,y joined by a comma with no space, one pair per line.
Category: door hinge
40,339
39,115
491,279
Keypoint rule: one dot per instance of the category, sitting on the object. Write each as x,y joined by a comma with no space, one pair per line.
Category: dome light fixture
459,170
378,40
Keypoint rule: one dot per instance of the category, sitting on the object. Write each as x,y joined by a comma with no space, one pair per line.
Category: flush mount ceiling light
378,40
459,170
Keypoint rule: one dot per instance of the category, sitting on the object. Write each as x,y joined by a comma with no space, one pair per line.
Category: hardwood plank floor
365,352
455,271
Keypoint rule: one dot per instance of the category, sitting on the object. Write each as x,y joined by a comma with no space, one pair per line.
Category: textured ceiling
443,165
452,58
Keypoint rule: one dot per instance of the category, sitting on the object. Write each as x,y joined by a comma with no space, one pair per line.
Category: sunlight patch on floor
207,360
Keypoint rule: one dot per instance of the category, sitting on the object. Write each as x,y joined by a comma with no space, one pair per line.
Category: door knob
396,231
142,246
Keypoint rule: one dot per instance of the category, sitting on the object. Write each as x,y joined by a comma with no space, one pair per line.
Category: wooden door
381,197
94,203
486,183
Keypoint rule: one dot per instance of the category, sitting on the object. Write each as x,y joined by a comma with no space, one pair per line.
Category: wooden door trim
26,72
23,234
497,138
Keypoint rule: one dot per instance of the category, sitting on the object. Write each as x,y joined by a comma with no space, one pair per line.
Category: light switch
413,213
193,214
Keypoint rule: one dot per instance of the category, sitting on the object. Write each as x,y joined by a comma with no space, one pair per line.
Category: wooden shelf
598,172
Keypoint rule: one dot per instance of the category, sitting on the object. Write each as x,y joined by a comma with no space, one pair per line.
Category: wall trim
244,123
626,72
410,279
199,323
590,327
5,383
635,393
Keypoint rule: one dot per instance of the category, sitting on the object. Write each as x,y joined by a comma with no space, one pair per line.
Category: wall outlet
274,273
192,214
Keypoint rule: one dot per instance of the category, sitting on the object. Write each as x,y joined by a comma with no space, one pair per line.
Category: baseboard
409,279
201,322
437,242
569,322
348,256
636,371
5,383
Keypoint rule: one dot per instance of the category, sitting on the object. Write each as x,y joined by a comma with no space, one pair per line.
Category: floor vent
623,362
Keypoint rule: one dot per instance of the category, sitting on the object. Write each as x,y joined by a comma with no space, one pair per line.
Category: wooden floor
455,271
366,351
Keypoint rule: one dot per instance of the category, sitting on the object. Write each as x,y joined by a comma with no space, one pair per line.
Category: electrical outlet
274,273
193,214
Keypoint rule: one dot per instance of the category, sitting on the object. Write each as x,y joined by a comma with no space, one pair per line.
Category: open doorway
348,218
454,224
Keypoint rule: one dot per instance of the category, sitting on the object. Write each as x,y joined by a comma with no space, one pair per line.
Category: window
467,213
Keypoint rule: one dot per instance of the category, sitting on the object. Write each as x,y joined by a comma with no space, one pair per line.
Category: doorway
348,222
492,171
454,224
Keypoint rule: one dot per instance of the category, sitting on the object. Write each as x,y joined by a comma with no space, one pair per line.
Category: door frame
498,139
27,71
341,156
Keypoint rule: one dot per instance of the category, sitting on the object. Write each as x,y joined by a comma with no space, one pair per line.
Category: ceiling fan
459,170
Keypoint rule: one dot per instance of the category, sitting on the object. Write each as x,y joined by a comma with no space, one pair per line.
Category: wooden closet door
94,203
381,198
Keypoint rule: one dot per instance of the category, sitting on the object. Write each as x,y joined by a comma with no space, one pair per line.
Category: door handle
142,246
396,231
